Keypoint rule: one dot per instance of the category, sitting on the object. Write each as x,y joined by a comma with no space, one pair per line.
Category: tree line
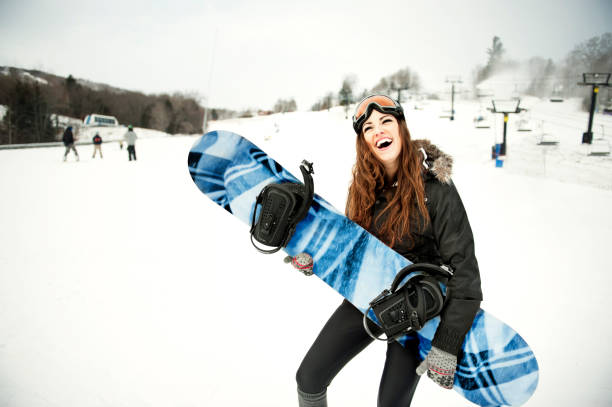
550,78
393,84
546,77
33,98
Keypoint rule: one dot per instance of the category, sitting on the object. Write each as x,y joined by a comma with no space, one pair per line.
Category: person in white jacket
130,139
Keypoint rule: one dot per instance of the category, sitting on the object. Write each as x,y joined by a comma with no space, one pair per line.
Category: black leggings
341,339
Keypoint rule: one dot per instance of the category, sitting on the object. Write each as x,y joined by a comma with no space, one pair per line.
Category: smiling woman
401,192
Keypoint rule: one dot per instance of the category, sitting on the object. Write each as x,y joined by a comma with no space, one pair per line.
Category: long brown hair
406,208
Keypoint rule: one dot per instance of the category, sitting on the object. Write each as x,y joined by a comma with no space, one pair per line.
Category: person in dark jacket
68,140
97,142
402,193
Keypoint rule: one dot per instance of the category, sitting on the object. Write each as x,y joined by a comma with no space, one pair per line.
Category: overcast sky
261,50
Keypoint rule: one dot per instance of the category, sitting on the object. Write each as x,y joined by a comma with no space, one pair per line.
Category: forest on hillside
34,99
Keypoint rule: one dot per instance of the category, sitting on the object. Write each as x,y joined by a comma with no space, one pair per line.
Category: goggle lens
383,103
381,100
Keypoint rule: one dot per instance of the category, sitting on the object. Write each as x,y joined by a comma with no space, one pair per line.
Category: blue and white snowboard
497,367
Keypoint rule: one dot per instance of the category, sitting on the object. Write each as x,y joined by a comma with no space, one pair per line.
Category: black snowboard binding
283,206
406,308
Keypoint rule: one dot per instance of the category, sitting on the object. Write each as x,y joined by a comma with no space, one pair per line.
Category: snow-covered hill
121,284
45,78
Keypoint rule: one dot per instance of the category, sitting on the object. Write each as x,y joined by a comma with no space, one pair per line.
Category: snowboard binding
283,206
406,308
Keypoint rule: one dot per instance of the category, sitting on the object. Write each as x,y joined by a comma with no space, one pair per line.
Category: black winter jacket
68,137
446,240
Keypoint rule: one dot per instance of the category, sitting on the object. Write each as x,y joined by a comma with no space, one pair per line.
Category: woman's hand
440,367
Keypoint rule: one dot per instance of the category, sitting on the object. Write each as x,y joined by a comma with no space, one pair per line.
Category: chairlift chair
608,107
599,147
482,120
556,97
445,113
524,123
545,139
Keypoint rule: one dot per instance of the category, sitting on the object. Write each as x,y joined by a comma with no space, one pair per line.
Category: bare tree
326,102
283,106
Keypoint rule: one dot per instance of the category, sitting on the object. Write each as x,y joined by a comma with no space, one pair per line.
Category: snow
121,284
115,133
30,77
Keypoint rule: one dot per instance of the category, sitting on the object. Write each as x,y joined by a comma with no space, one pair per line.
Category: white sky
265,50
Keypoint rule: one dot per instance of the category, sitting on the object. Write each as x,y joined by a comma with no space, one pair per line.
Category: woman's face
382,135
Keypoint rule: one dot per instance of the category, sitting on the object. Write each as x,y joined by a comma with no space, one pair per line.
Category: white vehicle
100,120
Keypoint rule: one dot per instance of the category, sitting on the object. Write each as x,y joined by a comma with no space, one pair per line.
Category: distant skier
68,140
97,142
130,139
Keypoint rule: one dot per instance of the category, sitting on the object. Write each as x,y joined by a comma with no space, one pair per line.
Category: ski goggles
382,103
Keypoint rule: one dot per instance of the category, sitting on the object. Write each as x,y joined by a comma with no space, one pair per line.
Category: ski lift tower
596,80
505,107
398,89
452,80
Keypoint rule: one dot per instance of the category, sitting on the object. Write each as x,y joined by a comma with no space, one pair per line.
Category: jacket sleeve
456,247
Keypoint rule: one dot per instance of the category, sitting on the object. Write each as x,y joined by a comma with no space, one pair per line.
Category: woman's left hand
440,367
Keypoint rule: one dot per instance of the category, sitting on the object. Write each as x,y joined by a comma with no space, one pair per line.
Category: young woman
401,192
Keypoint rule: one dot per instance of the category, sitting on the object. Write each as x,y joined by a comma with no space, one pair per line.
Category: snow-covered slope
121,284
85,134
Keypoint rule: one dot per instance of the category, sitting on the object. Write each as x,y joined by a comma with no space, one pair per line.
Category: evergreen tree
27,119
345,94
495,53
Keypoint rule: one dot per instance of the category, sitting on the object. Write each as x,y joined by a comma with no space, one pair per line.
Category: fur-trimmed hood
439,164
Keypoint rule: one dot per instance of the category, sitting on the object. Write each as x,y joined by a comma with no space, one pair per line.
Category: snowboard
496,368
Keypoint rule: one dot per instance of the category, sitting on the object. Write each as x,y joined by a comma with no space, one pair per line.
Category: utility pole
452,81
399,92
596,80
9,126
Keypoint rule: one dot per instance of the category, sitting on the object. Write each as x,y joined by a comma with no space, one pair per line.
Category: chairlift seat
600,148
524,125
547,139
482,122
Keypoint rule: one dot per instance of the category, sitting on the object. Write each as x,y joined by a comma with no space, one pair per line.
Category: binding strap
283,206
406,308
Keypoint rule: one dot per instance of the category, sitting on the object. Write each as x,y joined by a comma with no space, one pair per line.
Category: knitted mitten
440,367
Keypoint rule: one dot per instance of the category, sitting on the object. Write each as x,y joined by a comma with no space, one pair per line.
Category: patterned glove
440,367
302,262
